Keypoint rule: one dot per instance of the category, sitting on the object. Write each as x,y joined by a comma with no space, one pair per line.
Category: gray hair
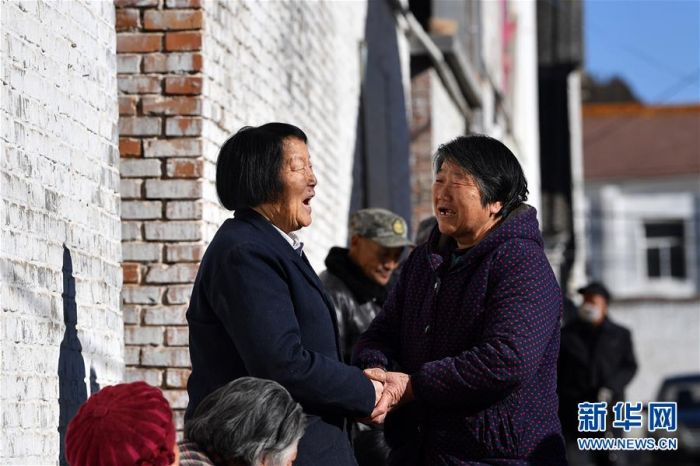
248,421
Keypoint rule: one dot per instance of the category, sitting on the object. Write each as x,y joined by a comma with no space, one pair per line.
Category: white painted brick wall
296,62
59,184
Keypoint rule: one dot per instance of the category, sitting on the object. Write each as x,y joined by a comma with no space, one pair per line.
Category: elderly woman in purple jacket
468,340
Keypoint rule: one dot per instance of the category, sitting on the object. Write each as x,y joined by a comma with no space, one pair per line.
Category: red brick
184,252
131,272
176,398
177,41
172,105
177,378
139,126
127,104
169,20
129,147
184,168
183,126
188,85
137,3
139,84
171,62
177,273
129,63
180,147
183,3
138,42
127,19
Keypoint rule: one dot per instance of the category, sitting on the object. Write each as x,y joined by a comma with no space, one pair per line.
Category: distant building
642,184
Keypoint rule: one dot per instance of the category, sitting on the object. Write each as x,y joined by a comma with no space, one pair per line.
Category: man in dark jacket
596,360
469,336
356,278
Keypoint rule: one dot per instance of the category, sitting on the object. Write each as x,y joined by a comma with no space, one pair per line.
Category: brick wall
421,147
190,74
159,64
435,120
59,184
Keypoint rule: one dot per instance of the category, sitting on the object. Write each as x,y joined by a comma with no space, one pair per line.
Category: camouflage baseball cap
381,226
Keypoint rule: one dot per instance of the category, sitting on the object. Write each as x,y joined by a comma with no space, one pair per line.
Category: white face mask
590,313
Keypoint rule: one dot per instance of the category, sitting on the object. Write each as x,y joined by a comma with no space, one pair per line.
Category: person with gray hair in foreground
247,422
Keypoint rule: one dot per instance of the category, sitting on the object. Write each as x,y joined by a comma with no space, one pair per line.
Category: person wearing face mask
596,360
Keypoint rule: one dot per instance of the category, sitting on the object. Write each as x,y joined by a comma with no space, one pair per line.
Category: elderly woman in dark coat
258,308
472,325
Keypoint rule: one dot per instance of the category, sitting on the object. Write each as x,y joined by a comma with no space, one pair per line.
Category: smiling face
377,262
292,210
458,208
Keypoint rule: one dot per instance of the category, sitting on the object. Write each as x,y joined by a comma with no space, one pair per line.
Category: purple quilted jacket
479,334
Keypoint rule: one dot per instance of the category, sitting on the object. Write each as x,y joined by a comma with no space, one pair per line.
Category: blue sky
653,44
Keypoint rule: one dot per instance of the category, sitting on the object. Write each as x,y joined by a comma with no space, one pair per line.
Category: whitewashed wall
59,185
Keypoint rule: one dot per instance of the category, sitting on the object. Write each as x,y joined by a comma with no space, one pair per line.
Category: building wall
60,235
192,73
296,62
435,120
447,122
665,335
162,169
663,315
421,146
617,211
525,130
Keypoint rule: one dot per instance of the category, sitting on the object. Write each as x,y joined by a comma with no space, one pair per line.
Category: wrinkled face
376,261
293,210
457,206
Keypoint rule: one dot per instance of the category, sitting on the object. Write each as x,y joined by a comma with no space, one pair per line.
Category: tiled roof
637,141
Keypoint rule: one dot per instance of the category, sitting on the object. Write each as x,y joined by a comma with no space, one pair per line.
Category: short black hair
496,171
249,165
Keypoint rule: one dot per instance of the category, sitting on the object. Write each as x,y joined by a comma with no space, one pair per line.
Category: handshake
391,390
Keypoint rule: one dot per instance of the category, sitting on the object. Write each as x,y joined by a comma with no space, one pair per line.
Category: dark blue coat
480,337
258,309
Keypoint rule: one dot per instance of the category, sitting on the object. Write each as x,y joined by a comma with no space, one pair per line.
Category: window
665,250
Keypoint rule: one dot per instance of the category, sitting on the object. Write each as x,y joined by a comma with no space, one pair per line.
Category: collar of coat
521,223
362,287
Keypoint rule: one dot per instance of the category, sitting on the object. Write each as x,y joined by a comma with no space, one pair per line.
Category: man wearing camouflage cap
356,280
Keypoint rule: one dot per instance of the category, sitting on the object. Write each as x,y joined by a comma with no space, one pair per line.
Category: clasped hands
391,390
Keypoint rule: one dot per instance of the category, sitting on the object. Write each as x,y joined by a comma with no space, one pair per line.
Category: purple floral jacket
479,335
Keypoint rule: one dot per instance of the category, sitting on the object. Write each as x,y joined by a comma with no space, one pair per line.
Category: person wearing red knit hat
123,425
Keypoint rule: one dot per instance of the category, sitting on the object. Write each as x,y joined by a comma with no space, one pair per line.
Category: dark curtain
381,172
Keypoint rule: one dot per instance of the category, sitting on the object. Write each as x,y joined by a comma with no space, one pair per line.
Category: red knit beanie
122,425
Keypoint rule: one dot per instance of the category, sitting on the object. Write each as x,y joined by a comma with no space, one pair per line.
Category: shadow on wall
72,391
